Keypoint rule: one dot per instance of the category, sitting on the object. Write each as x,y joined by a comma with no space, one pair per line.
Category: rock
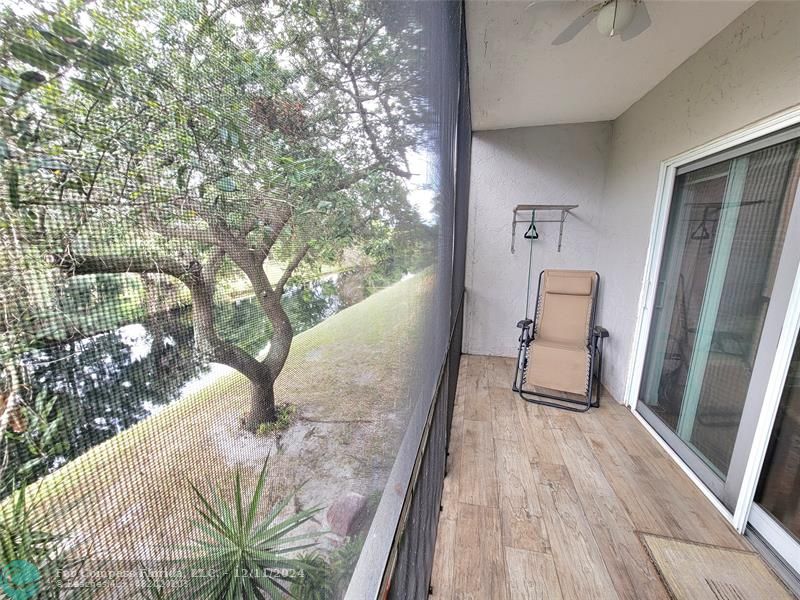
348,514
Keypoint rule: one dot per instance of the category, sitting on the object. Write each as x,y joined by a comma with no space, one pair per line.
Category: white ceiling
518,78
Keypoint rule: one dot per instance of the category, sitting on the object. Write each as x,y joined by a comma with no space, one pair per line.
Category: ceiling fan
626,18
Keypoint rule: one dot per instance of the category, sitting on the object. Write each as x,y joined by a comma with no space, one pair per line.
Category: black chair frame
594,345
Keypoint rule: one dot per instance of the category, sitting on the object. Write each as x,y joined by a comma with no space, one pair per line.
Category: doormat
694,571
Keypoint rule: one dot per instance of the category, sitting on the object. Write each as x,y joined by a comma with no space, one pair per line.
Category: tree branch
76,264
276,219
290,268
201,284
182,230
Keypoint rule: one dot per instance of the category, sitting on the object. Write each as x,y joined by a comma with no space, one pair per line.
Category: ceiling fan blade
542,2
641,21
578,25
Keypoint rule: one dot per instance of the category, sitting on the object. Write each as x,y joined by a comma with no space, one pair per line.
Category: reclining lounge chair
561,348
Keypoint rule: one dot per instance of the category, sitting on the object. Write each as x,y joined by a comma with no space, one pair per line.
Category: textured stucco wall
562,164
746,73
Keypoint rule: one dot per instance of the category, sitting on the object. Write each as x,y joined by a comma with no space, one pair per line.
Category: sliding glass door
776,512
719,303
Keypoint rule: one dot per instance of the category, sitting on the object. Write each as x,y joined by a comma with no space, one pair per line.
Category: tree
189,138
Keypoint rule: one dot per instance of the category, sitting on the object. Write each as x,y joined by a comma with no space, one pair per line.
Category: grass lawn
129,497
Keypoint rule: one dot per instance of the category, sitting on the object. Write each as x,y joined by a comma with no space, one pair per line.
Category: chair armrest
599,332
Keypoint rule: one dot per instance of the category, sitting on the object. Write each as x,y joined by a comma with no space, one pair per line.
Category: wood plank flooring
541,503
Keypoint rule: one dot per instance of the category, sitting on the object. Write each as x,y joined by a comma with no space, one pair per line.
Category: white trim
685,468
658,227
772,400
776,536
658,231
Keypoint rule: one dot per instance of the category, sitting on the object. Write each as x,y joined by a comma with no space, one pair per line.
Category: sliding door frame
714,151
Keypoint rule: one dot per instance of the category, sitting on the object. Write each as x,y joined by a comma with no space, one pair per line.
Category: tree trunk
201,281
153,306
262,404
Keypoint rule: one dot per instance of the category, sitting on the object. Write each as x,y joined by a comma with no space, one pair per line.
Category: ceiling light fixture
626,18
615,16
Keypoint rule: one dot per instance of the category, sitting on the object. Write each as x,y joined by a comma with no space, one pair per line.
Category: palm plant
248,557
28,545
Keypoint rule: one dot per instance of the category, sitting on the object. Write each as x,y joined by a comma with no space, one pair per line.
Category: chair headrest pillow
570,284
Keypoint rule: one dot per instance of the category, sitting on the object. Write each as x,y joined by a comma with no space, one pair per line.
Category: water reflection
108,382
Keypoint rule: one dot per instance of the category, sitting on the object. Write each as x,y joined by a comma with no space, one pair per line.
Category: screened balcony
260,270
671,171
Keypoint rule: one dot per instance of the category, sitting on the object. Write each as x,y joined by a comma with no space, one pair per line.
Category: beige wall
558,164
746,73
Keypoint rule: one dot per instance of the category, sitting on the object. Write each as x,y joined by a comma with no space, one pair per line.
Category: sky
422,194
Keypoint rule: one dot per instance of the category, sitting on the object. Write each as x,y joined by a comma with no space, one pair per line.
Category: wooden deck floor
542,503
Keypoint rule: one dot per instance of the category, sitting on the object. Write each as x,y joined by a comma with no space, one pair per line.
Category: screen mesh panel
232,260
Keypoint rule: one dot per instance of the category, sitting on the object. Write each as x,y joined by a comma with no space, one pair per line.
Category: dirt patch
240,448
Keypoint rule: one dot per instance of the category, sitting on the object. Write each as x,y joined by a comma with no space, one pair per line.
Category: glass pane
779,489
725,232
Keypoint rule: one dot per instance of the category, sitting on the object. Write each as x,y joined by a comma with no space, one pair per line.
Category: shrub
30,550
328,579
343,560
37,434
248,557
316,582
285,416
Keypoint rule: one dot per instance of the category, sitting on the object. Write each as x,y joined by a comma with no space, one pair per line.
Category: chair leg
599,351
522,361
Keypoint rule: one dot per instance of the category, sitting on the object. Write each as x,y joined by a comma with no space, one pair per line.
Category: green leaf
226,184
4,154
60,448
67,31
55,57
50,431
92,89
256,499
32,78
30,465
66,49
43,402
32,56
105,57
231,545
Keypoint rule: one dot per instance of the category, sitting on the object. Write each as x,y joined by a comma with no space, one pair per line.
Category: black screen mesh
415,483
228,279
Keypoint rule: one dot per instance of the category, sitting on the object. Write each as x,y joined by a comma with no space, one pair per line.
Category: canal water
107,382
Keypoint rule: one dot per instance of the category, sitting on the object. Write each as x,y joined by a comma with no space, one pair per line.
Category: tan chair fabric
559,354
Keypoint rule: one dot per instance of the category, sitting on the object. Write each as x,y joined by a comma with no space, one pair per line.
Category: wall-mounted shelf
532,209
